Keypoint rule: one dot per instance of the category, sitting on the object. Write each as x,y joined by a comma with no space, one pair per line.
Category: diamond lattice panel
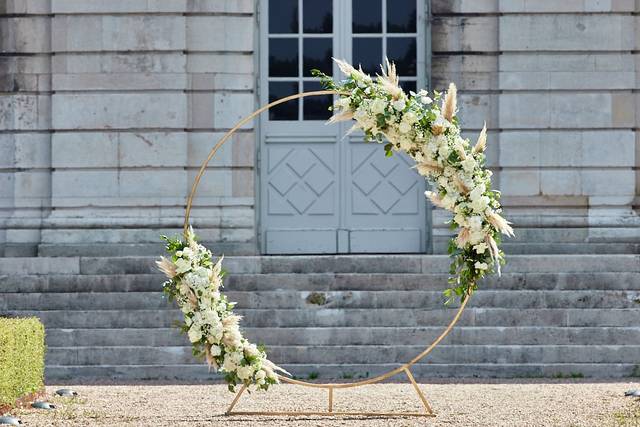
382,185
301,181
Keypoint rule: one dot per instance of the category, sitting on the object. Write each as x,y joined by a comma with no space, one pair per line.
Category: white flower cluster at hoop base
426,128
194,283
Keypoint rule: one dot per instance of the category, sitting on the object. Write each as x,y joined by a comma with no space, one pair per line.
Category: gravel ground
486,403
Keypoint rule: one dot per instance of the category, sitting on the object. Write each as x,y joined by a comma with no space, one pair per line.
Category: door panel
321,192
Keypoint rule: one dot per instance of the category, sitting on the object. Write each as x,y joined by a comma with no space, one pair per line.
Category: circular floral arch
426,129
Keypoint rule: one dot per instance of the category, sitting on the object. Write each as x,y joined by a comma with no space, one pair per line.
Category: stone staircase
340,316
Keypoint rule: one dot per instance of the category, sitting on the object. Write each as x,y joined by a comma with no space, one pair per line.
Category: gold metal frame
330,387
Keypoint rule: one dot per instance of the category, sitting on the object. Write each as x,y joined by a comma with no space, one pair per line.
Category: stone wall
109,108
556,82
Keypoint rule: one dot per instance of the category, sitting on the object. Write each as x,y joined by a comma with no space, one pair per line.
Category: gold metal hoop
405,368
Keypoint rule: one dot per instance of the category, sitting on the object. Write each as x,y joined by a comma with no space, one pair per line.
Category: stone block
560,80
519,148
201,143
25,150
28,7
221,81
152,183
227,62
119,81
560,182
23,112
215,183
243,184
552,6
85,150
118,33
221,6
119,111
469,72
465,34
463,6
31,189
157,149
81,184
562,110
476,109
231,108
156,62
608,182
220,33
561,32
520,182
608,148
118,6
25,34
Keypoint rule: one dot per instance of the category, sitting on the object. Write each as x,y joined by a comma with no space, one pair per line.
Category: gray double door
322,192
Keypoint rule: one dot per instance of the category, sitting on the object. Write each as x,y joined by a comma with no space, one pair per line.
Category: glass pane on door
294,49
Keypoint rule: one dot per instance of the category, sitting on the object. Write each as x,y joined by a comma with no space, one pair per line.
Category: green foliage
22,351
313,375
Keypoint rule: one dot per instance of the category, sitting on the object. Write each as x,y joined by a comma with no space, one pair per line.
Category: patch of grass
627,417
313,375
317,298
636,371
569,375
346,375
22,352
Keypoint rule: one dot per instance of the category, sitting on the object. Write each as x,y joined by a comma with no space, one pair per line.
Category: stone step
352,354
322,264
347,372
338,300
499,317
321,282
526,335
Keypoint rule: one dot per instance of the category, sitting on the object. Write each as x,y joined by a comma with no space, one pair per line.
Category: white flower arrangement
213,330
429,133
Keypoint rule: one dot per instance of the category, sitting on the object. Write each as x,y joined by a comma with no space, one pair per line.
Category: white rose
378,106
481,265
195,334
245,372
410,117
480,204
251,350
475,223
469,164
448,202
182,265
399,104
426,100
476,237
477,192
460,220
444,151
480,248
215,350
228,365
404,127
260,375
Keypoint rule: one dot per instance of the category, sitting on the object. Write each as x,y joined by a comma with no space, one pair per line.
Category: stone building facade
108,107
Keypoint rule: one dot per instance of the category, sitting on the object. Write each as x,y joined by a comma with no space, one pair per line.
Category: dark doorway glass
317,53
401,16
283,16
367,51
402,51
287,110
367,16
317,16
316,107
283,57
